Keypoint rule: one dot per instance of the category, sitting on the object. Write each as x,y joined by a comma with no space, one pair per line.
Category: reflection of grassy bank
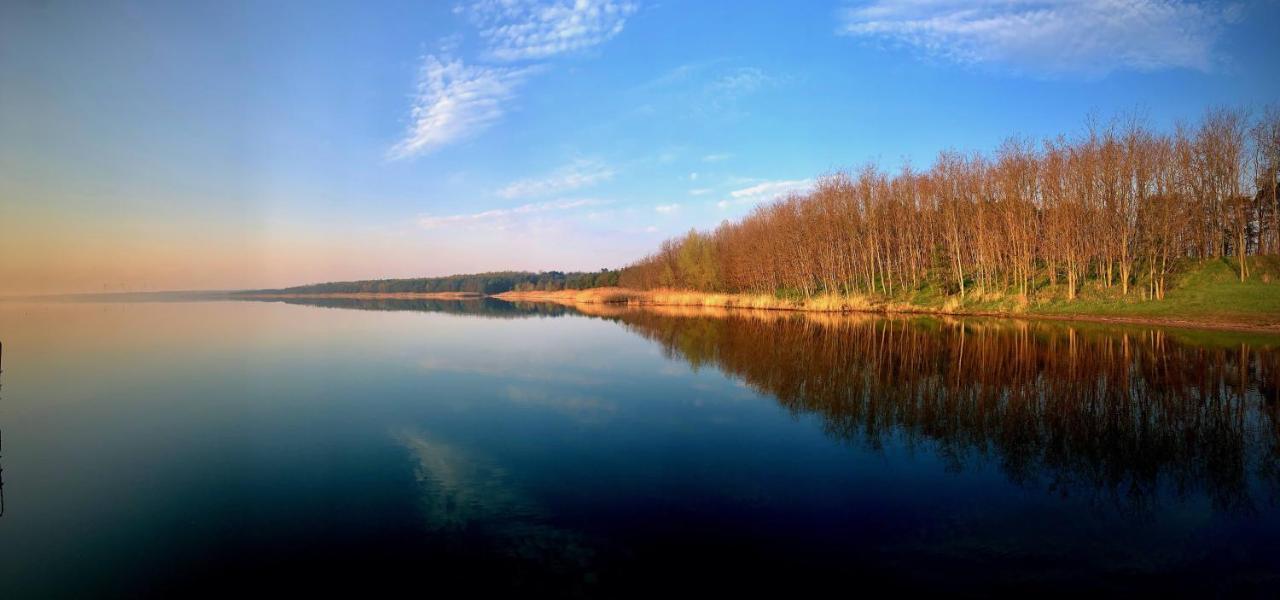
1208,295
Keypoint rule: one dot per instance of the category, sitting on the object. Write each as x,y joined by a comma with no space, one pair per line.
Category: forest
478,283
1119,205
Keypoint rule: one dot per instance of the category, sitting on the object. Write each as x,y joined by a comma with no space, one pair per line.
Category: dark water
466,447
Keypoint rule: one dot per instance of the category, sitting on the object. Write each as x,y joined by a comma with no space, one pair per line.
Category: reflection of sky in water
462,493
572,453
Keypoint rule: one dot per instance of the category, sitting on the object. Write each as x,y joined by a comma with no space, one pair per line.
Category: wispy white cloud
700,191
667,209
455,101
501,218
712,78
579,174
743,80
705,88
711,158
449,43
529,30
765,191
681,75
772,188
1050,37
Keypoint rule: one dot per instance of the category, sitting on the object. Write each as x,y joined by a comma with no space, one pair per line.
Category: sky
172,146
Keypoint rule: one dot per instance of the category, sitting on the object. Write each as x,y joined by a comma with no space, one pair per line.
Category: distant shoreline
369,295
186,296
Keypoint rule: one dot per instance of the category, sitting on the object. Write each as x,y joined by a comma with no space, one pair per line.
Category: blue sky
162,146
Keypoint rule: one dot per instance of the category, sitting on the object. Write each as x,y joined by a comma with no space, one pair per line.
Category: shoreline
628,297
371,295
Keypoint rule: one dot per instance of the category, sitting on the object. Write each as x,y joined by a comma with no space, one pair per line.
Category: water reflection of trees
479,307
1129,414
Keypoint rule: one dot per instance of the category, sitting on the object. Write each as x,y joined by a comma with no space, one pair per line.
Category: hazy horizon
154,147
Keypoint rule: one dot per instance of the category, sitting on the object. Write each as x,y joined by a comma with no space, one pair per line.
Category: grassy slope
1209,292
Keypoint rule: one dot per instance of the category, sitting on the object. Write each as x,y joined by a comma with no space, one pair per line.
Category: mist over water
321,444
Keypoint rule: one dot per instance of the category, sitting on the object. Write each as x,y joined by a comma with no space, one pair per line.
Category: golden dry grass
667,297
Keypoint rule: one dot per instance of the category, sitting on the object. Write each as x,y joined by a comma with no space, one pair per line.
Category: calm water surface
204,447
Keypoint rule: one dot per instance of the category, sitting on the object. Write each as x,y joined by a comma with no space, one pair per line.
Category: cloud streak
709,88
740,81
580,174
517,30
455,101
500,218
765,191
1049,37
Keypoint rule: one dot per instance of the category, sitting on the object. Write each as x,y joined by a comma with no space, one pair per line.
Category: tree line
477,283
1120,204
488,308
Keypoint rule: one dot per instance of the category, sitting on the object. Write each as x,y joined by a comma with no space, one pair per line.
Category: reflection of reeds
1127,413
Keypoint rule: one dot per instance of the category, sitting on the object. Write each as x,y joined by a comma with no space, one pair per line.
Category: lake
206,447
